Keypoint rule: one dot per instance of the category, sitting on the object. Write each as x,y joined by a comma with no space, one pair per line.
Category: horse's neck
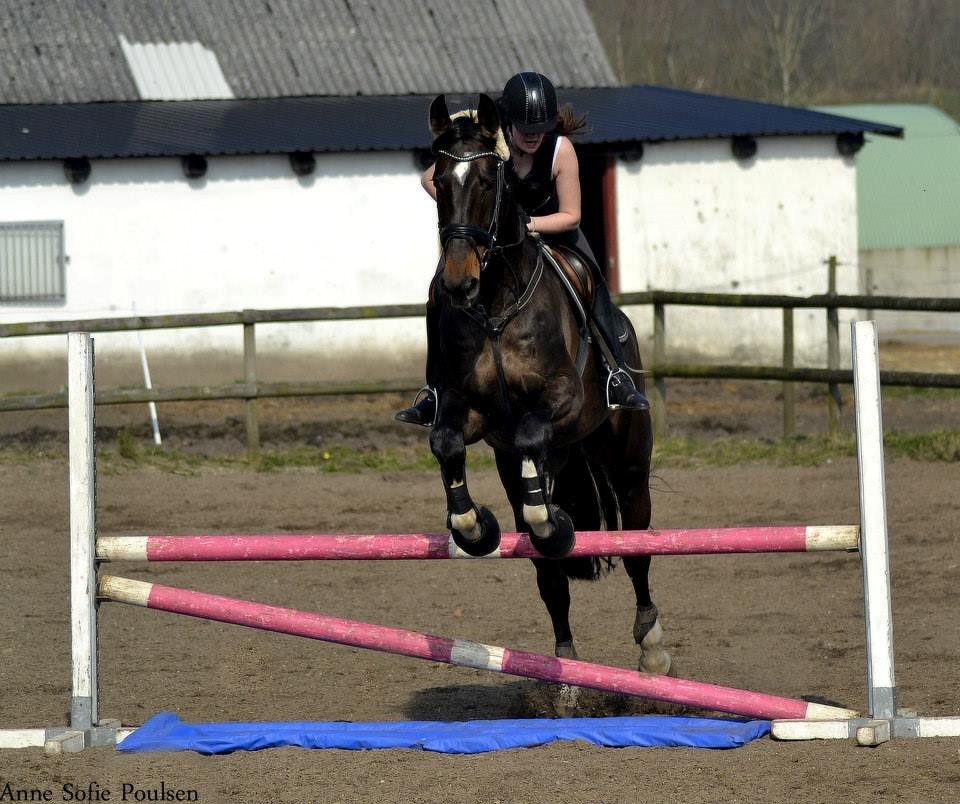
511,274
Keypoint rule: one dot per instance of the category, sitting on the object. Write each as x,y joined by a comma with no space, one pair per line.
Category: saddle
576,275
575,271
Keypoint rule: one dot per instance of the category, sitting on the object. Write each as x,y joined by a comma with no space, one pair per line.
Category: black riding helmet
530,103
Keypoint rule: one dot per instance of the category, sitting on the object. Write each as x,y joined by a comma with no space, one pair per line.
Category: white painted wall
250,234
692,217
361,230
932,271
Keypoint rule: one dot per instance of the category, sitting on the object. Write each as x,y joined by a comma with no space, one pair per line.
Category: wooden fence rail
250,390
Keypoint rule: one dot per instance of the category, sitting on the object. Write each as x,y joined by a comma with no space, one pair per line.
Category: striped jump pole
462,652
393,546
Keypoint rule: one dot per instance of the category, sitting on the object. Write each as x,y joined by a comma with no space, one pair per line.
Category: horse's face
466,176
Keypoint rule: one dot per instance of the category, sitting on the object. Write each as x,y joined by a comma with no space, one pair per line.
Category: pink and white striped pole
795,538
463,652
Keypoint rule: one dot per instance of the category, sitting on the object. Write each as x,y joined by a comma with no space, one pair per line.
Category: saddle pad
166,732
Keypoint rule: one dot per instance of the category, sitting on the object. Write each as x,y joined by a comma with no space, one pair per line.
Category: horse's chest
521,362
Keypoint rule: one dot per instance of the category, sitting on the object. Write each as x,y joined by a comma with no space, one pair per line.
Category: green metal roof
908,189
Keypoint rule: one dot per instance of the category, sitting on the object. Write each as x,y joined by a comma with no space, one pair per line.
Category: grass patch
347,459
335,459
941,445
675,451
18,454
907,392
127,446
797,451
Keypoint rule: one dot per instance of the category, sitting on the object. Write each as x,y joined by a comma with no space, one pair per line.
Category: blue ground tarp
166,732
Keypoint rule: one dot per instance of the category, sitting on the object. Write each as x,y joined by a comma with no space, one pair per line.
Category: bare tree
791,51
789,29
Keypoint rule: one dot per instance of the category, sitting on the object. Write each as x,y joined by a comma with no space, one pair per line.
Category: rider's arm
427,181
566,171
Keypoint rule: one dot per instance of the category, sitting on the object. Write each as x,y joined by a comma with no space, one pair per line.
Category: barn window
32,262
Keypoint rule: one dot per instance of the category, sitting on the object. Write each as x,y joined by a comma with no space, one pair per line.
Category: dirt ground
785,624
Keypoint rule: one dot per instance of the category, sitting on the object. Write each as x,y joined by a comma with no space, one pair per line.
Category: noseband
476,235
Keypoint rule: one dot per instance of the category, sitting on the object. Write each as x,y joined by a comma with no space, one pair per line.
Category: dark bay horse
505,338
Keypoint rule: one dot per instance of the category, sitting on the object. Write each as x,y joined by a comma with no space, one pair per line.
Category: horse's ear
439,116
488,118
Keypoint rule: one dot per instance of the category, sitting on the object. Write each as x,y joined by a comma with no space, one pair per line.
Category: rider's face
525,143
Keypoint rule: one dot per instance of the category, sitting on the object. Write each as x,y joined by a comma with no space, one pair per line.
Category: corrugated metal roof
68,51
654,114
908,191
281,125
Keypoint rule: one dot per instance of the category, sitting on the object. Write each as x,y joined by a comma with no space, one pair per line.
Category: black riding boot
621,391
423,411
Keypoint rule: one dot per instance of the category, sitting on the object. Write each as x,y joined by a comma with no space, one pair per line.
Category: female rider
548,189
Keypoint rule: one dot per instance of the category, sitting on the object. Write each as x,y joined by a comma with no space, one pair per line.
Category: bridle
492,326
475,235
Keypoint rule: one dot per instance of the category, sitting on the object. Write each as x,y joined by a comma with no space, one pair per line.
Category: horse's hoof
565,650
488,539
648,634
561,541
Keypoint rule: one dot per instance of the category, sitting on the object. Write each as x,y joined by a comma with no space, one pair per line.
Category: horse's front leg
474,529
551,529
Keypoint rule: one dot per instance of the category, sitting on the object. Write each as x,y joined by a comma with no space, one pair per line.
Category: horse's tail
585,493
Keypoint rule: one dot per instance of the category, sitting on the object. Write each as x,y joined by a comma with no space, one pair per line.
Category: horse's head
471,189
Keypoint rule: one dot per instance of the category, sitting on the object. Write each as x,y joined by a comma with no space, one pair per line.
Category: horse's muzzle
463,292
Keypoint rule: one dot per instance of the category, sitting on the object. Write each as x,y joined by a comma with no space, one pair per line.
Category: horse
506,337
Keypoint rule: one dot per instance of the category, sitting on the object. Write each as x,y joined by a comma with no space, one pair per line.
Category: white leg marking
653,655
536,516
467,524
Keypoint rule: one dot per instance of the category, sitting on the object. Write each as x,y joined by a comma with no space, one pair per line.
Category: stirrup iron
429,391
611,373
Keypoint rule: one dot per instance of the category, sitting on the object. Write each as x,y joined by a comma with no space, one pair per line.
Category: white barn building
192,168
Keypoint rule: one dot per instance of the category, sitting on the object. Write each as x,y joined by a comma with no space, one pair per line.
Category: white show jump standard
388,546
463,652
799,720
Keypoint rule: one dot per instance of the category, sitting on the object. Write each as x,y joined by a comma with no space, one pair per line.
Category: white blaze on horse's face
461,170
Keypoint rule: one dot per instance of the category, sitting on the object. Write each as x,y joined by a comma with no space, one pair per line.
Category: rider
548,189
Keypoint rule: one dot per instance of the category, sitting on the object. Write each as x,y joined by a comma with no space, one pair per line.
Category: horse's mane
464,125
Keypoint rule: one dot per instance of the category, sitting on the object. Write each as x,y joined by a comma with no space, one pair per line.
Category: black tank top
537,191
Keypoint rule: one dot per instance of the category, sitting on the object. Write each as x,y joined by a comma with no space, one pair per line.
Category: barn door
598,209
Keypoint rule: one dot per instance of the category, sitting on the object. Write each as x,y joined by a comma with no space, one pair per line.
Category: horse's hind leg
647,631
629,473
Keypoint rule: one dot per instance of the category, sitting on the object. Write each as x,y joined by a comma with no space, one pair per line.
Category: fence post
789,390
659,358
834,400
84,707
250,378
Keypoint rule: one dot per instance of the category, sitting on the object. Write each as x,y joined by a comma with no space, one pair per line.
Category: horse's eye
437,177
